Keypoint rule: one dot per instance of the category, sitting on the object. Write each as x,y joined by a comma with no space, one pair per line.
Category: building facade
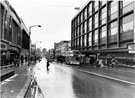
105,29
12,30
61,47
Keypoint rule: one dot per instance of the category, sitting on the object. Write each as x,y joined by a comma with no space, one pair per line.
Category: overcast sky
53,15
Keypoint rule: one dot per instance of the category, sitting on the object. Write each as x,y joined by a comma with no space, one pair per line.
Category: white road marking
108,77
8,79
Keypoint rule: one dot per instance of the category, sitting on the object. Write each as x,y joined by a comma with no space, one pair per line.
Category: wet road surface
62,81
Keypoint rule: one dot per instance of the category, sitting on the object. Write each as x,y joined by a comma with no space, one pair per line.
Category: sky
54,16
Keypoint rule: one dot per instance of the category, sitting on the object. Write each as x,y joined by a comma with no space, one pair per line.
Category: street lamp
30,41
77,8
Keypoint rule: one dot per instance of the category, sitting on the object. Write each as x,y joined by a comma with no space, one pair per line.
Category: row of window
127,26
112,12
10,29
82,29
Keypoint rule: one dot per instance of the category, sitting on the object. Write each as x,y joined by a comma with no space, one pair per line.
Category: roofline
81,9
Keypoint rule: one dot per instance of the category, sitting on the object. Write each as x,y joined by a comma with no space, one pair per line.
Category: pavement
17,85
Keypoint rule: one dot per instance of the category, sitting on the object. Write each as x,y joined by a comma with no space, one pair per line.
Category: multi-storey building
14,38
61,47
105,29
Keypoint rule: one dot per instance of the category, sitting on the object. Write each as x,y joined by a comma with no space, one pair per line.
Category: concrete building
61,47
105,29
14,38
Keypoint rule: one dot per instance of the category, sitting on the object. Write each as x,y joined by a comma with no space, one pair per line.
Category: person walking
47,65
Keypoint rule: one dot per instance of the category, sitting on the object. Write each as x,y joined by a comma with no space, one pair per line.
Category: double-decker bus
72,57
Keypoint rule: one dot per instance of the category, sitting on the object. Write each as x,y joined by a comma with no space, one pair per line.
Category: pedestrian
22,59
101,63
47,65
113,62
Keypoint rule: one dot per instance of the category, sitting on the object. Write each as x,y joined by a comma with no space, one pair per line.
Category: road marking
108,77
8,79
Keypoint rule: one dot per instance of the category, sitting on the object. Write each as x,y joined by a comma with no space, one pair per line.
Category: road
63,81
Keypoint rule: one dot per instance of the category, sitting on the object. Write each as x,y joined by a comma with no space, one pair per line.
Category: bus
72,57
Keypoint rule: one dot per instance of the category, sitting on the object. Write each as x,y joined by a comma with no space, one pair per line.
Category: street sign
131,48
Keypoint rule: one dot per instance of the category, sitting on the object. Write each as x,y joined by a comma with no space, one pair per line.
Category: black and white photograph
67,49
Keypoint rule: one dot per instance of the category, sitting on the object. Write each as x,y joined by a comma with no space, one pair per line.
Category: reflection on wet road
64,82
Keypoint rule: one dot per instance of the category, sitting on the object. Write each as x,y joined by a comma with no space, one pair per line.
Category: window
2,18
90,24
96,17
90,37
77,42
10,29
81,41
90,9
85,13
78,20
114,7
114,31
103,16
128,6
85,40
103,11
78,31
81,29
113,10
113,28
103,35
102,3
96,20
125,3
95,38
96,5
85,27
5,25
81,17
127,23
114,15
103,32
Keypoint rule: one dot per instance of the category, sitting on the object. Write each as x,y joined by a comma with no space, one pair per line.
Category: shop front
14,54
24,55
4,54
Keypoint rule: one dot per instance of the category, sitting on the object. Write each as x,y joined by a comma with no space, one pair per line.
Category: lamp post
30,41
77,8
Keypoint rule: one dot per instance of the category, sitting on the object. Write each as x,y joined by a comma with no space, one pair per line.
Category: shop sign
13,48
3,46
131,48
